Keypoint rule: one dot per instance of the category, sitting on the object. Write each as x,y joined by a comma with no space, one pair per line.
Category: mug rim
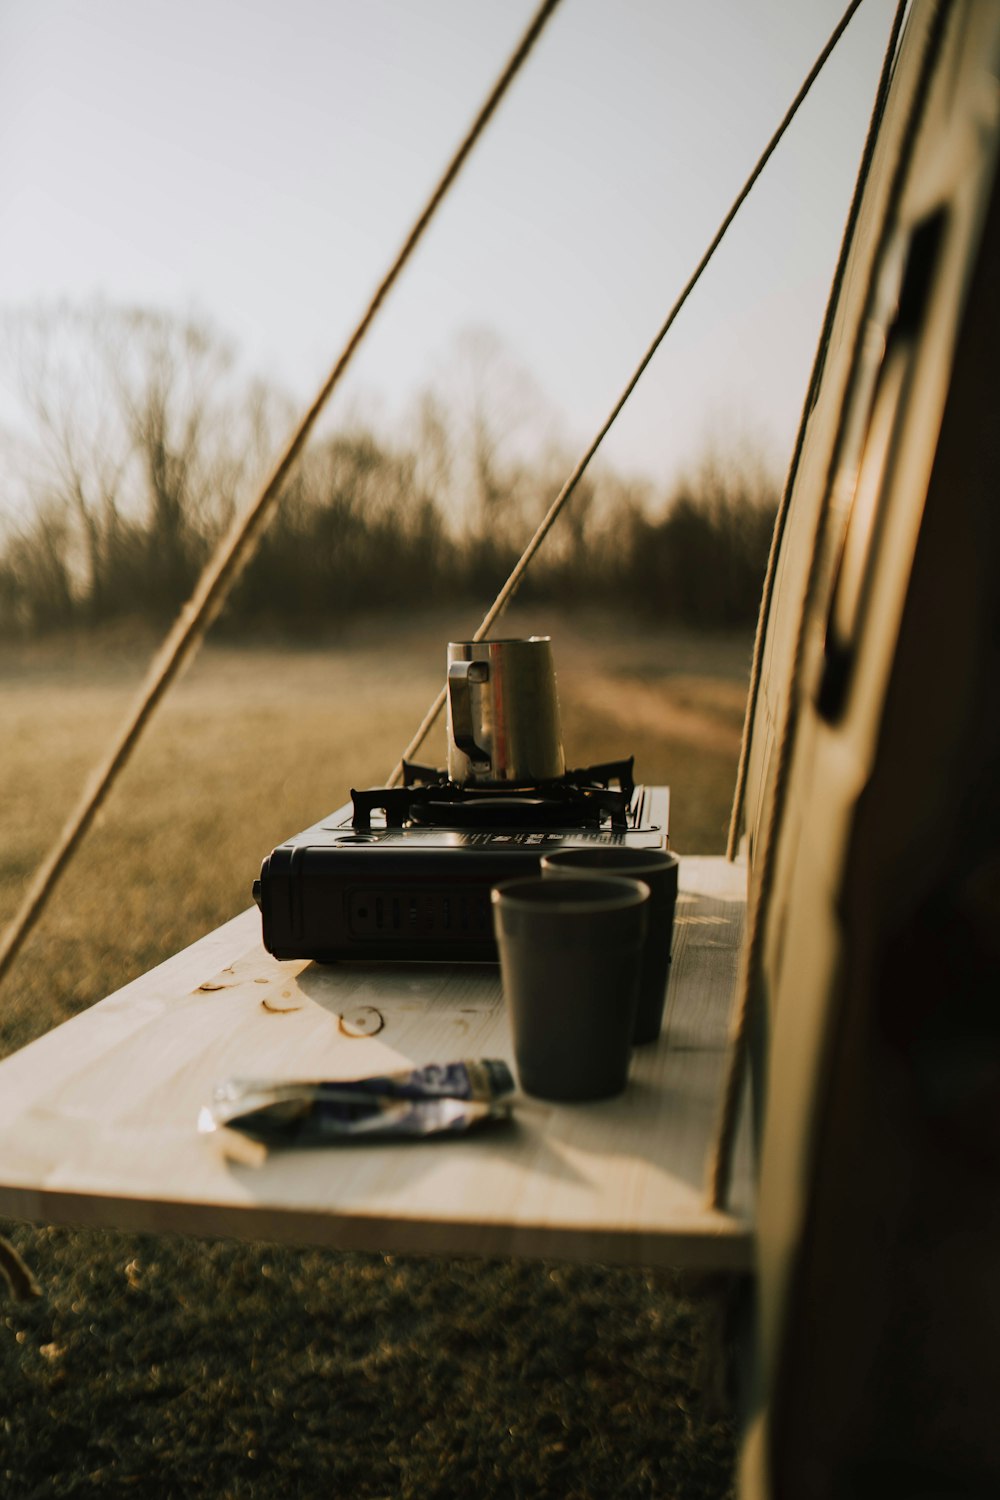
595,859
569,894
502,640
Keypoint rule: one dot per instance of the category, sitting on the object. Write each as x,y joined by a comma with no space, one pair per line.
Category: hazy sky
258,162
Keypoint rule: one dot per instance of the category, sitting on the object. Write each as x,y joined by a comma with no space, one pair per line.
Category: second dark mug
657,869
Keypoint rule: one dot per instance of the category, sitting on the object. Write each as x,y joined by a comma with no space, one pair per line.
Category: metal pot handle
461,674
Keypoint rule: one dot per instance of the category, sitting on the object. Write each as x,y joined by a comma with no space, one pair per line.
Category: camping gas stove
405,872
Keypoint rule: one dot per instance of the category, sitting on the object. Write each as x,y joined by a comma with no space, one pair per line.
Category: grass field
169,1366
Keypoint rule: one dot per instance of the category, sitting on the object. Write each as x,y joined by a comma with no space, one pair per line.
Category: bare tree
145,433
501,423
433,452
37,575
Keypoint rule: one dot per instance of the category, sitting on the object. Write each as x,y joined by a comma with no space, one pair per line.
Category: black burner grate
587,798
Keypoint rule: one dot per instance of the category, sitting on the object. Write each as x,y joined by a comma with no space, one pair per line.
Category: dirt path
655,709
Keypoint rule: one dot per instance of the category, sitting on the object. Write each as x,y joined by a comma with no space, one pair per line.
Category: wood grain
98,1118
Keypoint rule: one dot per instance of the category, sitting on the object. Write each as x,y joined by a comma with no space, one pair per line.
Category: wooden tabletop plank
98,1118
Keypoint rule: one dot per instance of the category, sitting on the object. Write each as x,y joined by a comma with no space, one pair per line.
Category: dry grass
185,1368
255,744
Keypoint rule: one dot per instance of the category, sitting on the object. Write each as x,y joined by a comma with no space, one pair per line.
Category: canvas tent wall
873,832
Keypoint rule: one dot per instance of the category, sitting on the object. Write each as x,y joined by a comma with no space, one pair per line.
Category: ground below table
98,1119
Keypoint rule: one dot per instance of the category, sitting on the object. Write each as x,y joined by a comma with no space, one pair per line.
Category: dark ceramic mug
657,869
570,955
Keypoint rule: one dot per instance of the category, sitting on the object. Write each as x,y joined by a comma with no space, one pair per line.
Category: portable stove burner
405,872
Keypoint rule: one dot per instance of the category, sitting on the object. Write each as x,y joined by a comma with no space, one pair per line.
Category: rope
545,526
817,369
720,1162
236,549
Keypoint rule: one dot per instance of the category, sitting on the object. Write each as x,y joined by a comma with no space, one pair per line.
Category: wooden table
98,1118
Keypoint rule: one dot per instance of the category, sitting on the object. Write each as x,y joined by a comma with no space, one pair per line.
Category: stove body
405,873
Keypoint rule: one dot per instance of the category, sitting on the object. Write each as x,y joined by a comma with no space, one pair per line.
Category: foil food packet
443,1098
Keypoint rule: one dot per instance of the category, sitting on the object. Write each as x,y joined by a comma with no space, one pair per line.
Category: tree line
143,439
